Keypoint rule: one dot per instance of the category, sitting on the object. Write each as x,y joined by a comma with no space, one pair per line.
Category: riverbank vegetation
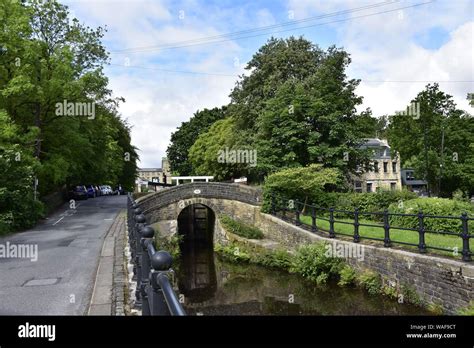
170,243
239,228
314,264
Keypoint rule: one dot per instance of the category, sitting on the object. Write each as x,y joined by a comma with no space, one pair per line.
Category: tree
18,207
436,142
312,120
368,126
296,107
302,183
206,157
48,58
186,135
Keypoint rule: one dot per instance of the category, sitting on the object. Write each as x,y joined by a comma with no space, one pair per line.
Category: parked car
91,193
78,192
105,190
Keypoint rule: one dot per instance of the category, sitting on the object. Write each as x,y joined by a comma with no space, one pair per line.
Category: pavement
74,245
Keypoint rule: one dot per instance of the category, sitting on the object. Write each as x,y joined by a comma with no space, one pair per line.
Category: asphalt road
69,243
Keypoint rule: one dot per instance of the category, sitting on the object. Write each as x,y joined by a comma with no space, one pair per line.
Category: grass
431,239
240,228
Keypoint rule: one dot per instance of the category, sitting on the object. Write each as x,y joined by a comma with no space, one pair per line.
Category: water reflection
215,287
197,276
244,289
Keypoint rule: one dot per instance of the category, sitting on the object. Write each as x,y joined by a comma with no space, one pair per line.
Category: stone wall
437,280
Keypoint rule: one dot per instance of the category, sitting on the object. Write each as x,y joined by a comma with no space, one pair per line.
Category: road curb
104,295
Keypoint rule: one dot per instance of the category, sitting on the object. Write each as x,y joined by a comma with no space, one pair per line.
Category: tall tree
18,207
296,107
186,135
436,142
48,59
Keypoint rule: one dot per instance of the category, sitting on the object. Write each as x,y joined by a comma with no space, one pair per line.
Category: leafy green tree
296,107
48,58
205,153
302,183
312,120
368,126
18,207
186,135
436,142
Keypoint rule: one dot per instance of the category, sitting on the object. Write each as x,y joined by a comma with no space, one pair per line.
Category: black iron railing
154,294
291,210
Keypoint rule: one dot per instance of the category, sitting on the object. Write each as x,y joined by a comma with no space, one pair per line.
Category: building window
393,186
376,167
369,187
394,167
358,186
385,167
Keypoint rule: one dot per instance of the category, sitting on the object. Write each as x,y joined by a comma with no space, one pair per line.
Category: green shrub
409,295
368,201
347,276
370,281
365,202
311,261
274,258
305,184
240,228
436,308
232,252
461,196
170,244
389,291
469,310
430,206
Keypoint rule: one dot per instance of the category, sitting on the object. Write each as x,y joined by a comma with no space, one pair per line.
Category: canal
213,286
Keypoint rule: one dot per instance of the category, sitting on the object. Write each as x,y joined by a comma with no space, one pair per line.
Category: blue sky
164,87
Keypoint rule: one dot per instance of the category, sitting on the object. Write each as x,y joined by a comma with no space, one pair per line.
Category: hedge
431,206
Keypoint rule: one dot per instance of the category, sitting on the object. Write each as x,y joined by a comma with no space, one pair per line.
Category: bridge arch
167,204
196,222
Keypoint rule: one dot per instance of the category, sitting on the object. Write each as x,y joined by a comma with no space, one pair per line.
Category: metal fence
282,207
151,268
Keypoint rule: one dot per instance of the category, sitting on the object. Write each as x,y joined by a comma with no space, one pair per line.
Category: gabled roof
149,169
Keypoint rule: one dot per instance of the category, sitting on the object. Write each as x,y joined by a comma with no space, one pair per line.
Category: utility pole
426,158
442,159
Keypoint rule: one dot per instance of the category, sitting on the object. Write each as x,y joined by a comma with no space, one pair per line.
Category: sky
171,58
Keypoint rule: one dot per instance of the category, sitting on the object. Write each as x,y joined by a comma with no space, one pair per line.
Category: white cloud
384,48
157,101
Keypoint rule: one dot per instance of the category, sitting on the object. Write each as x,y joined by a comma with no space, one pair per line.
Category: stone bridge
171,207
435,279
167,204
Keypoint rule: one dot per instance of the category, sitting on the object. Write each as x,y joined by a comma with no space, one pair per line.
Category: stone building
385,171
146,175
